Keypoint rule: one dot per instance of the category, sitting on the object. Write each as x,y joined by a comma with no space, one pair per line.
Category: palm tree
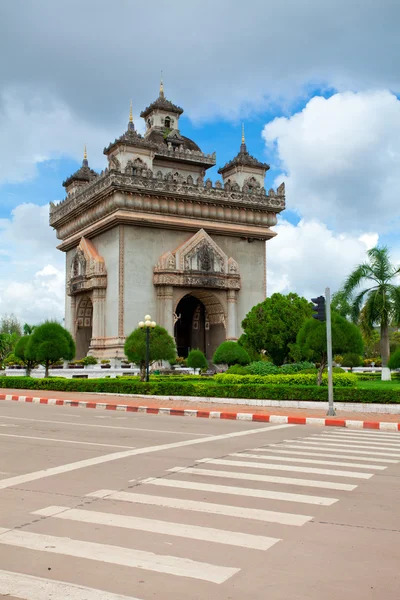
379,303
28,329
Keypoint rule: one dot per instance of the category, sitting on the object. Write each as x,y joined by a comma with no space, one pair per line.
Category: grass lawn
379,385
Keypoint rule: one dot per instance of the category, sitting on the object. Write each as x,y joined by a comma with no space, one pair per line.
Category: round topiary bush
196,360
394,360
231,353
351,360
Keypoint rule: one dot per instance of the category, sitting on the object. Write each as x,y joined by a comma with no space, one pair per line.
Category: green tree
311,339
379,302
10,324
162,347
28,329
340,304
231,353
394,360
273,324
196,360
48,344
19,352
7,344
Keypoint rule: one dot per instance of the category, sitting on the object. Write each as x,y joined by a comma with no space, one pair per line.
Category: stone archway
84,326
199,323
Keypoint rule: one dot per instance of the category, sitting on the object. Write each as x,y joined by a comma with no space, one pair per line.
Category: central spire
130,124
243,147
161,87
85,159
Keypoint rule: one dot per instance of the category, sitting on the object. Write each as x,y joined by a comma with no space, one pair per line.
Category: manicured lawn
379,385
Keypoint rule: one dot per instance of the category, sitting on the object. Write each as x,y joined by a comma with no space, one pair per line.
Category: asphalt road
132,506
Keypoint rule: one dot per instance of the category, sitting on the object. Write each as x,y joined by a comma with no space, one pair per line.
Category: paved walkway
154,404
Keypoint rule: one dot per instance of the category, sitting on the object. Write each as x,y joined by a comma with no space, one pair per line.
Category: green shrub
262,367
231,353
351,359
126,385
394,360
338,359
196,360
339,379
238,370
295,367
49,343
88,360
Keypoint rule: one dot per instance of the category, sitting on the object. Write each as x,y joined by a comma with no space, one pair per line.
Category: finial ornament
130,113
243,140
161,86
85,153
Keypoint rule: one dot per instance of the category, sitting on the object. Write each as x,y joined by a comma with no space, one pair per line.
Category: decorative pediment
88,270
198,262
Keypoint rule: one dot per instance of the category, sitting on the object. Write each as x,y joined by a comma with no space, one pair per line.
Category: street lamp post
147,324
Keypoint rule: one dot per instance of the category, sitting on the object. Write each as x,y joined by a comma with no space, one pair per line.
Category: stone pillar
231,331
165,312
98,320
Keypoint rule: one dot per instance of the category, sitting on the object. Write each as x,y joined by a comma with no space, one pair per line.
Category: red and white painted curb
210,414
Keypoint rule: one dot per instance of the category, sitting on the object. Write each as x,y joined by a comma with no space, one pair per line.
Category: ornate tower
149,235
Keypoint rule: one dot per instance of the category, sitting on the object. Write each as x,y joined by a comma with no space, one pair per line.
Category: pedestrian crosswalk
244,501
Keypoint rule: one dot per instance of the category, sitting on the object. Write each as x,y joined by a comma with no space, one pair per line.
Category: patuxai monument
151,234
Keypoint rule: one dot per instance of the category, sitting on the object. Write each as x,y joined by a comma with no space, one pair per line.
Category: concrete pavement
111,506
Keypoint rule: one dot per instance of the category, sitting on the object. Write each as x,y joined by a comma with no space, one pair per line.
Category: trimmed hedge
208,389
339,379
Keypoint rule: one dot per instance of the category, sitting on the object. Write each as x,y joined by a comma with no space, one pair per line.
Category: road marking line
375,440
365,432
205,534
256,514
326,453
264,478
350,441
238,491
349,446
98,460
117,555
340,450
38,588
307,460
102,426
291,468
31,437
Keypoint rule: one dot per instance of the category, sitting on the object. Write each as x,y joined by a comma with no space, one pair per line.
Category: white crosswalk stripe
239,512
117,555
382,435
355,441
295,468
365,436
349,445
307,460
264,478
207,534
238,491
339,450
288,449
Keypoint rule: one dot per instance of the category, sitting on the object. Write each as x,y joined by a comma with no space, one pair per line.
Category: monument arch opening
199,323
84,327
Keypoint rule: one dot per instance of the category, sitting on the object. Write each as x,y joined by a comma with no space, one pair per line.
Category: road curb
209,414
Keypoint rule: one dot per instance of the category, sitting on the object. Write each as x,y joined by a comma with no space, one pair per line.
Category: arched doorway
84,327
200,324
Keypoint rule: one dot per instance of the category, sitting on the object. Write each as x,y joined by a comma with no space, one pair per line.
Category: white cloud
341,157
32,270
309,257
38,128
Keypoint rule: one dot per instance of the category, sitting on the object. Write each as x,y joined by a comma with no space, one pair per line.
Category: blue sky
325,116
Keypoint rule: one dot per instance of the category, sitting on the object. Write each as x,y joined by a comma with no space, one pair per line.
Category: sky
317,85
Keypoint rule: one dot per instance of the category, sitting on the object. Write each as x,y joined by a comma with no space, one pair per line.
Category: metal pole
147,352
331,409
